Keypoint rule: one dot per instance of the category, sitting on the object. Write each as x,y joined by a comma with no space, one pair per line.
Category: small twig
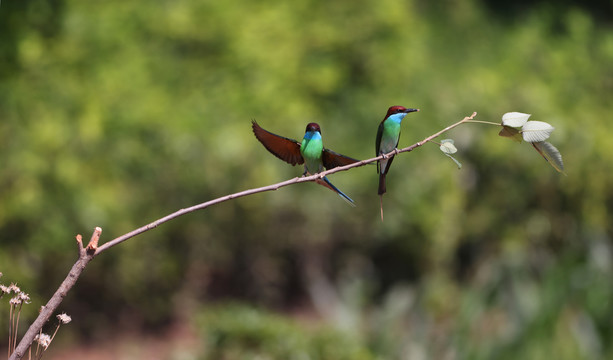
92,249
14,345
10,329
483,122
93,242
55,332
37,352
80,244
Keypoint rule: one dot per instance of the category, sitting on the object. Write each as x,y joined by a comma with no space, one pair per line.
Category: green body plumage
388,136
310,152
311,149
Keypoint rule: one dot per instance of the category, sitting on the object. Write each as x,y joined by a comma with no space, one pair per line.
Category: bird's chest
311,152
391,133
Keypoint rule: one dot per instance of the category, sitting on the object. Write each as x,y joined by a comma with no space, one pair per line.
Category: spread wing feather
284,148
333,159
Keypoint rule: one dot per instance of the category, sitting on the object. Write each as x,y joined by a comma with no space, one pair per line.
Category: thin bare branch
80,245
277,186
93,249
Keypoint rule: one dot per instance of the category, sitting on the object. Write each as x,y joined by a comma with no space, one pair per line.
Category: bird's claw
386,156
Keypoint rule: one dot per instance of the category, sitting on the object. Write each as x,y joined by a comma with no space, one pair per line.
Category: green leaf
455,161
447,147
510,132
551,154
536,131
515,119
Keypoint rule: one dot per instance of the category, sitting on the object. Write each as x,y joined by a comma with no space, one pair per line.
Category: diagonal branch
88,253
272,187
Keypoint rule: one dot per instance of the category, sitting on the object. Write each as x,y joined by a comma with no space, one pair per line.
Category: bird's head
398,109
313,127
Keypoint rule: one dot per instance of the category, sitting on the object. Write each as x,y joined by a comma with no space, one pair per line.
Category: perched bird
310,152
388,136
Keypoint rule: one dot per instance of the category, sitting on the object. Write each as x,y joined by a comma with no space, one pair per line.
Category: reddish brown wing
332,159
285,149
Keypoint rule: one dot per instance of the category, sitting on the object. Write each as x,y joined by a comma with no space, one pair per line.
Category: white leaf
515,119
535,131
447,146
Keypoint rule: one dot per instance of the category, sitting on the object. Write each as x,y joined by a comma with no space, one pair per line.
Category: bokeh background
116,113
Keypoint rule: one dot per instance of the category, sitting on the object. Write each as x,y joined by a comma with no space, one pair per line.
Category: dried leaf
510,132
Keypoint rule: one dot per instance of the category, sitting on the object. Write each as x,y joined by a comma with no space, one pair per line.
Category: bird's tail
325,182
382,188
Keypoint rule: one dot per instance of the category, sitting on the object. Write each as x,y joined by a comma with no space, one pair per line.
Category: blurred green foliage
114,114
238,332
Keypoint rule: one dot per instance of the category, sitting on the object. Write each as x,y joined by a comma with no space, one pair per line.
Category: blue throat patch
312,135
397,117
